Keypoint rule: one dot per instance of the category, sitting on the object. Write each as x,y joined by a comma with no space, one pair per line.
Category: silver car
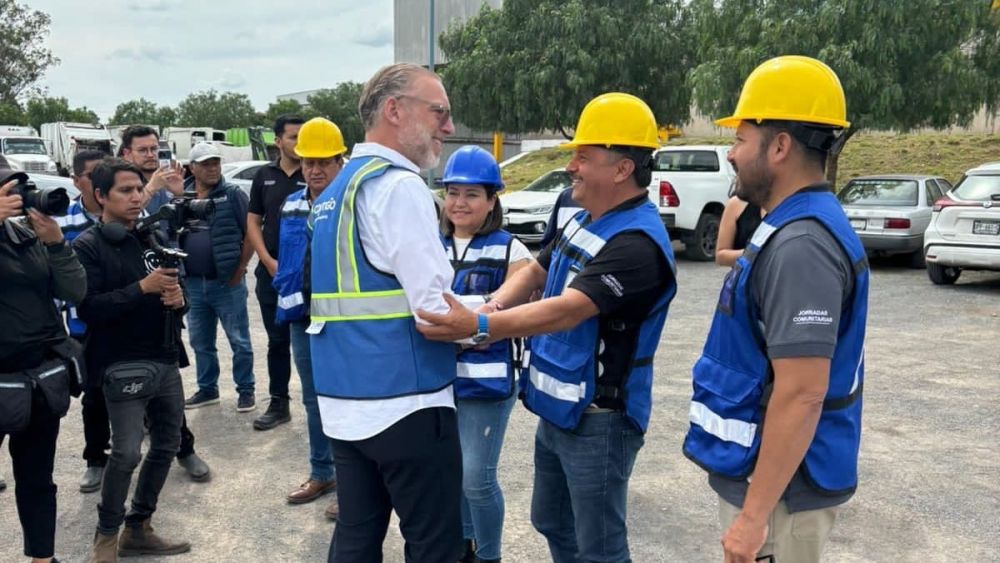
890,213
965,230
242,173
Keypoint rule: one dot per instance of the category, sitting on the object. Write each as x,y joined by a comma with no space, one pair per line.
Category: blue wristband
484,324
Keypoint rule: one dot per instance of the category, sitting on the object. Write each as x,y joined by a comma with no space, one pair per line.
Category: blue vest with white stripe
76,220
481,270
562,373
368,346
293,247
733,375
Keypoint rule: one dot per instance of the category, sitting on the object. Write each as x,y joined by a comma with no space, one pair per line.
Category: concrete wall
411,19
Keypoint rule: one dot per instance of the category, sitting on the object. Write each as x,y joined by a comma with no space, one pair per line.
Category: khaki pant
791,538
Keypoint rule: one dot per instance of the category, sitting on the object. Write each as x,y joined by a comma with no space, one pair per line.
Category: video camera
48,201
178,214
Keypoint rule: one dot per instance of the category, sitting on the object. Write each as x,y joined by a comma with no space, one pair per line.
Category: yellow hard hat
791,88
615,119
320,138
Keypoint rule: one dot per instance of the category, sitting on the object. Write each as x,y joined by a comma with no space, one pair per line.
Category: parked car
526,212
242,173
890,213
690,186
964,233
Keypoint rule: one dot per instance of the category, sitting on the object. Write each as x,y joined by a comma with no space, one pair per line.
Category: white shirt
398,226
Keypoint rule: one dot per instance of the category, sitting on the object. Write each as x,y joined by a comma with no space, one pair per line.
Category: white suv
691,186
964,233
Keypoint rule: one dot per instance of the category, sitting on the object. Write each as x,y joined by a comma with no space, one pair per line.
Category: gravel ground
929,455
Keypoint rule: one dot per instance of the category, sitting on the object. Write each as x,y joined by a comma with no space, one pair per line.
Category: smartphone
165,157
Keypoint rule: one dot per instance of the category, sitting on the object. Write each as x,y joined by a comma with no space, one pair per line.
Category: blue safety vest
76,220
367,345
481,270
561,380
293,249
733,375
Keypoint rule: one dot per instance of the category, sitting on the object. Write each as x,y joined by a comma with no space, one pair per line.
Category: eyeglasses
442,112
146,150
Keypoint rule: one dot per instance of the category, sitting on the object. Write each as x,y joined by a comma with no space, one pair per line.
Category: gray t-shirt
801,281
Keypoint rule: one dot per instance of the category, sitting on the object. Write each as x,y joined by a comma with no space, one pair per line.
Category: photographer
36,267
132,310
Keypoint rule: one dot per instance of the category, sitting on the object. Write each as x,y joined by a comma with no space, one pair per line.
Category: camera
179,213
48,201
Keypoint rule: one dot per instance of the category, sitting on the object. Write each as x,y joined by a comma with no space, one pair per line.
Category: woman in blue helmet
483,255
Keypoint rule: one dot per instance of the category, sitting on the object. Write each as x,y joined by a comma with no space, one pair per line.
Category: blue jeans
481,427
580,497
321,466
213,301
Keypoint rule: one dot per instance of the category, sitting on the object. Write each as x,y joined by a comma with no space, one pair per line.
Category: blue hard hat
472,164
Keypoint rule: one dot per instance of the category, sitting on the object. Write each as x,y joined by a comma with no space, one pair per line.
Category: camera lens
200,209
48,201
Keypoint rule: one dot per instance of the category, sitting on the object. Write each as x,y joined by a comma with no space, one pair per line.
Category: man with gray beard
385,392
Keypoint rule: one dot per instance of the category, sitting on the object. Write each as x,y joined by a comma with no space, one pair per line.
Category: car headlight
14,165
51,166
541,210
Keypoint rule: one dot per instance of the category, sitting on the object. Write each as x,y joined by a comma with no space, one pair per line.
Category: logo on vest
320,210
813,317
133,388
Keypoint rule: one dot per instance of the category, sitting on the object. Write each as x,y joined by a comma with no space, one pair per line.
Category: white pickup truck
691,185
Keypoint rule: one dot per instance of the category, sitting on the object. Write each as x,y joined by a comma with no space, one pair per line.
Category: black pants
162,412
97,430
279,340
33,452
414,467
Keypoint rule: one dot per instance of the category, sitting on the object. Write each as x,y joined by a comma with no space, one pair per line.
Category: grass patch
940,154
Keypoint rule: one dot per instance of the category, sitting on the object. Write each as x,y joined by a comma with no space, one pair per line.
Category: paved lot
930,457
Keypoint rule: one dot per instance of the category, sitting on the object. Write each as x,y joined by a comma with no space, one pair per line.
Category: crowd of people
415,331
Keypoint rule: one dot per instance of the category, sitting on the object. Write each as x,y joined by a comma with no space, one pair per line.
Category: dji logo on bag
133,388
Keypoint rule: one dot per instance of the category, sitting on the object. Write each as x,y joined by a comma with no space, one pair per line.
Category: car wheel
916,260
701,244
942,275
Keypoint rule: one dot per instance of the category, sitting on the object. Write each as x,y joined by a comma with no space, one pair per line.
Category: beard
754,182
419,145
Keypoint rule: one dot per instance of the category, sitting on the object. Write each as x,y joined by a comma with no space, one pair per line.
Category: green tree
143,111
903,65
51,110
340,105
534,64
23,55
283,107
211,109
12,114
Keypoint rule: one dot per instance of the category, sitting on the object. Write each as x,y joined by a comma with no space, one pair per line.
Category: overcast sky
117,50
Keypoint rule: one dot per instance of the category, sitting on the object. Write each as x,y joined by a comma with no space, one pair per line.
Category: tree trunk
833,159
565,134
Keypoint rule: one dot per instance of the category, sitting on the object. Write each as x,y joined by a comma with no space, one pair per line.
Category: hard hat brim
733,121
574,144
323,154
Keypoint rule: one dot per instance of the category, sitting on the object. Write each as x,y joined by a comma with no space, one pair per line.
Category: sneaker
201,399
247,402
91,480
277,413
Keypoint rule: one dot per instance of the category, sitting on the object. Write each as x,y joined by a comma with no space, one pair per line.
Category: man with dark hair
271,186
141,146
608,280
788,334
216,261
133,311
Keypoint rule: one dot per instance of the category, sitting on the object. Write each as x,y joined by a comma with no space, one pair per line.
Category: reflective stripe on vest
371,305
731,377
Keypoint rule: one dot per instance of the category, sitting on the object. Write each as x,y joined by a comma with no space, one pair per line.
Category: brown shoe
142,540
332,511
311,490
105,548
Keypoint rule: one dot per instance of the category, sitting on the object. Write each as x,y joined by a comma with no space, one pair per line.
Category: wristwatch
483,332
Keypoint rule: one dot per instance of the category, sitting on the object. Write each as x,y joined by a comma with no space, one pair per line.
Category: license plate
986,227
859,224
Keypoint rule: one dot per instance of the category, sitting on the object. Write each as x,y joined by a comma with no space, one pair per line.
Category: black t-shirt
270,187
624,280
